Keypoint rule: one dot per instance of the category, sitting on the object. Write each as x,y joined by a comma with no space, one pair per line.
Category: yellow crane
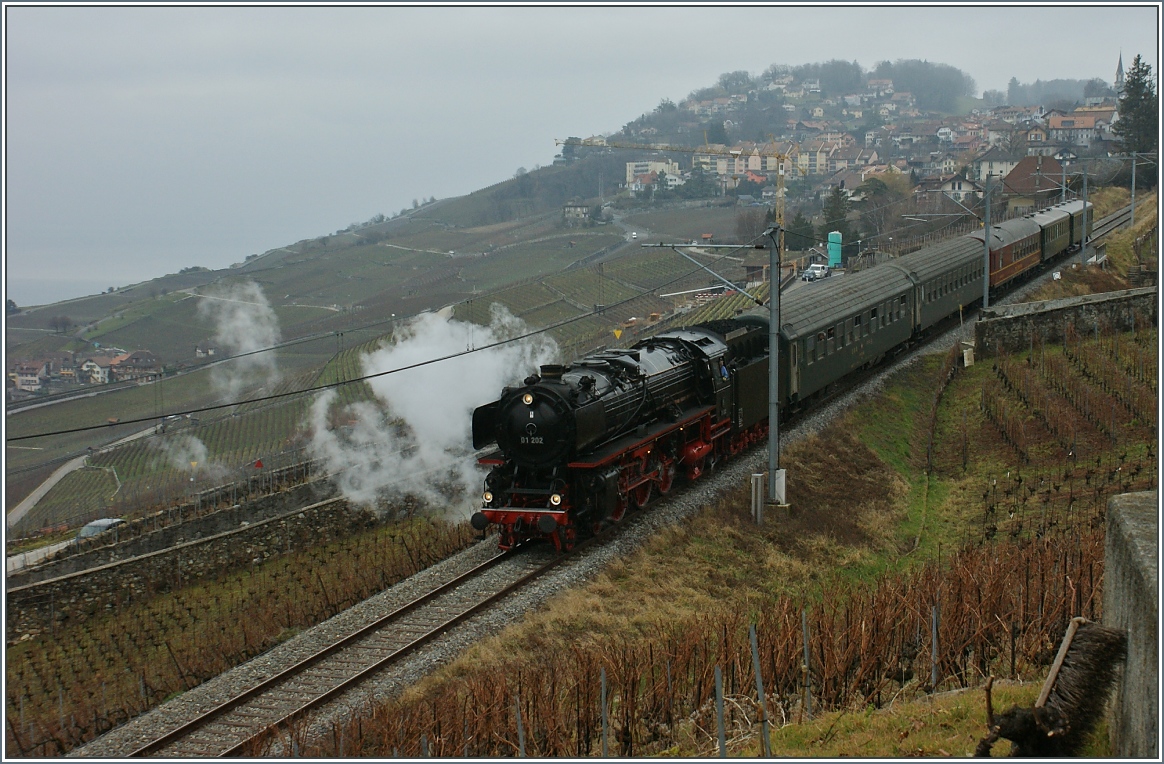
768,150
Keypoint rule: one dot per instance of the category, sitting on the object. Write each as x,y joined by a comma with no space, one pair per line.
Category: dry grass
948,725
1121,253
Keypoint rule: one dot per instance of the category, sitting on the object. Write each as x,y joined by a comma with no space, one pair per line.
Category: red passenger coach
1014,249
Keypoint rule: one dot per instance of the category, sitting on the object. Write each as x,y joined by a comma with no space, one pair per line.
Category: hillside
329,296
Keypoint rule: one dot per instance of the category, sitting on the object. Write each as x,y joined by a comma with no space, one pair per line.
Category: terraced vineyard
94,673
589,287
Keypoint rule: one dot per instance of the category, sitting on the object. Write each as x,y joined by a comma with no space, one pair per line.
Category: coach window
872,320
809,350
857,325
831,344
820,345
848,331
901,308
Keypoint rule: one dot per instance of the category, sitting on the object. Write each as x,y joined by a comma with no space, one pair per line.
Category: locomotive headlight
527,399
556,499
488,497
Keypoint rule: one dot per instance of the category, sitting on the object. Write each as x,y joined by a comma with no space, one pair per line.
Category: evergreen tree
1138,124
798,234
835,218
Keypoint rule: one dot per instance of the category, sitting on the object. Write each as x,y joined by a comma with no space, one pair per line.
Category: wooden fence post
934,649
602,679
766,743
719,712
807,666
520,728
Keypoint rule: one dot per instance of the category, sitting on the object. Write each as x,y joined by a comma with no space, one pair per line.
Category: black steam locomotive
578,445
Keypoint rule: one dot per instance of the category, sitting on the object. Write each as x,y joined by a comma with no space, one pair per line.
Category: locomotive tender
580,445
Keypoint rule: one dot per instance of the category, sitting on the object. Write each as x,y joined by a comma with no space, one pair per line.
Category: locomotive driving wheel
666,477
641,494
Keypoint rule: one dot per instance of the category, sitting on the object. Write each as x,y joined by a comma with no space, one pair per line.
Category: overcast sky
142,140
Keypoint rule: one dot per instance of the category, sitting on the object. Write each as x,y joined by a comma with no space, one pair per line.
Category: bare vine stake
602,680
520,728
934,662
806,666
767,746
719,712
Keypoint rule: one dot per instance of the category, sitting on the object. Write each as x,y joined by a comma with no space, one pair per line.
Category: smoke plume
243,322
186,453
416,437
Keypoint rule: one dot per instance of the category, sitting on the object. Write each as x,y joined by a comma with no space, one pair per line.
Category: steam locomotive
579,445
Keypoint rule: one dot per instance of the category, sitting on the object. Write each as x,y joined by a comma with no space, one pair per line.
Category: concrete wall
36,608
1130,602
1009,328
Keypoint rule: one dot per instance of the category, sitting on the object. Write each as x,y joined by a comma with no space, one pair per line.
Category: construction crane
769,150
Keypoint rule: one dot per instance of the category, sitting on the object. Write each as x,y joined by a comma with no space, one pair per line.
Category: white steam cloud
243,322
187,453
416,439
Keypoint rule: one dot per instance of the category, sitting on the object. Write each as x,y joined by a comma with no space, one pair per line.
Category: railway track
237,726
1107,225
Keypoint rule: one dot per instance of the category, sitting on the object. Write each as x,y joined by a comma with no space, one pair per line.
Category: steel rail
241,749
256,690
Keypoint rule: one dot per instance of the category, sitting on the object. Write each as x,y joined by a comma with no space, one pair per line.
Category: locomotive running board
634,440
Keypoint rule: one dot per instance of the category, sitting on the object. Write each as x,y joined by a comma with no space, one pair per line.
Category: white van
815,271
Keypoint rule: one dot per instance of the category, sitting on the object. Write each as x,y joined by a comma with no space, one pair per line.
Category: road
30,501
33,556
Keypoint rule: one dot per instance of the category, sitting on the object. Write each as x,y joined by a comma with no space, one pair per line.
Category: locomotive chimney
552,370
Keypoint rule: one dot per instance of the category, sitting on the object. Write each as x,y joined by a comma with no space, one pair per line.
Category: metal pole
1083,245
773,364
1063,185
1132,224
986,242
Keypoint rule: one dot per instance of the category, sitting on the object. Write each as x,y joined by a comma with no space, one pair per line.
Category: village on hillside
1034,151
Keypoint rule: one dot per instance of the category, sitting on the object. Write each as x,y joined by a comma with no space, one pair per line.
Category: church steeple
1119,80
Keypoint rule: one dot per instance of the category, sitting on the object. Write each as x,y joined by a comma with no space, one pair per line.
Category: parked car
98,526
815,271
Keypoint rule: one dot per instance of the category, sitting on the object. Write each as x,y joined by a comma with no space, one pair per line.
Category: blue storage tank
834,249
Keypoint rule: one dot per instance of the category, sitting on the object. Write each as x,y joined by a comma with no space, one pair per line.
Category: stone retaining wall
1130,602
1009,328
39,607
191,528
